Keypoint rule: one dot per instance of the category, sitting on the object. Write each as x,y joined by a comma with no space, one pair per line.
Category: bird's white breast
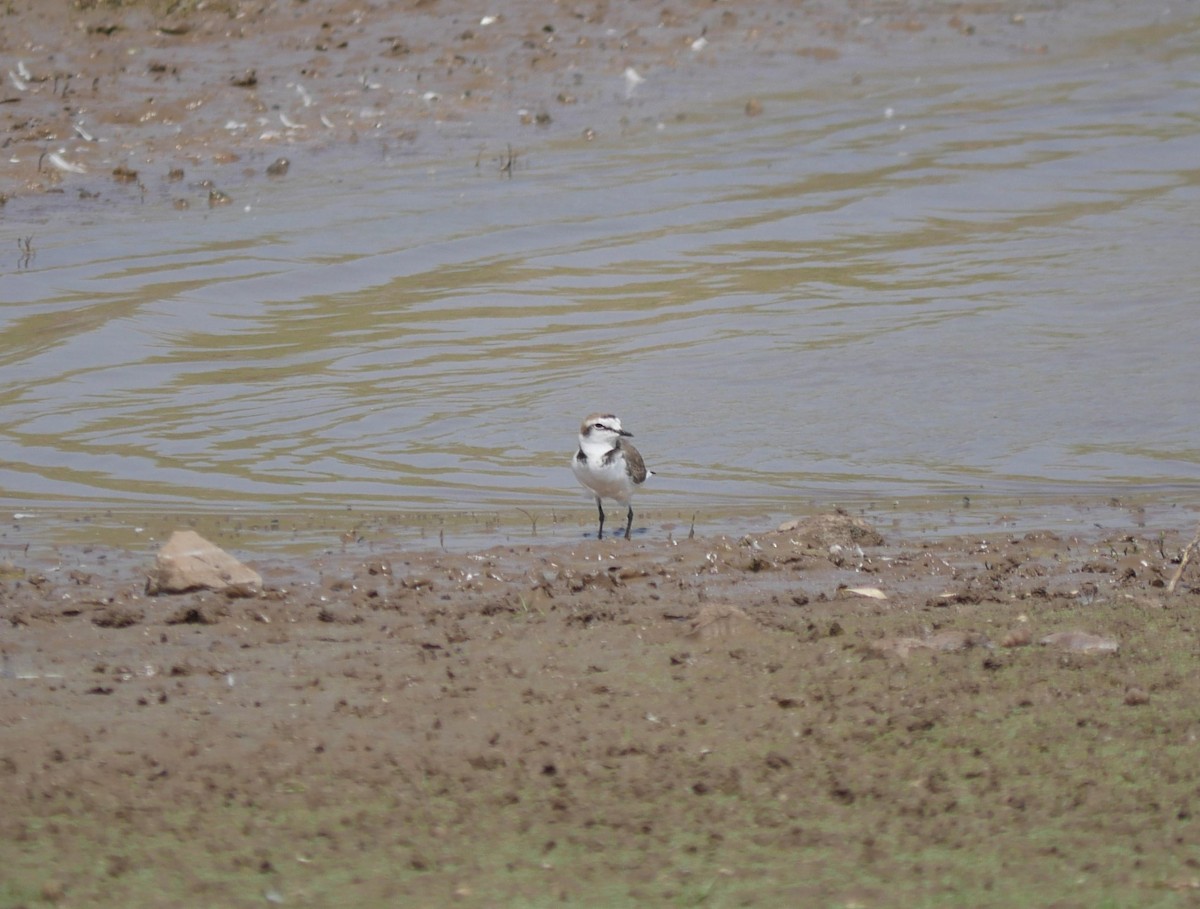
609,481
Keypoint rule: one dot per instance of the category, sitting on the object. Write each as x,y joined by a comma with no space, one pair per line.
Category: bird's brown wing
637,467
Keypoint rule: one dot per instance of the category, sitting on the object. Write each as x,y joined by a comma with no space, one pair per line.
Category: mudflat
823,712
817,714
178,101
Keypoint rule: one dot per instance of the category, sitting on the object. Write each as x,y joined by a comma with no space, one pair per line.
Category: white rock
187,561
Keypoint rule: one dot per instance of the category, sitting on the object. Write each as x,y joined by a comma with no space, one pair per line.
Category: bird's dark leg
600,508
629,525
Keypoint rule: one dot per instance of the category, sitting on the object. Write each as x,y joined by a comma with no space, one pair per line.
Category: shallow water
913,274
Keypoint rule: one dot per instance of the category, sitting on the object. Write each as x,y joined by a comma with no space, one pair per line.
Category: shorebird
608,465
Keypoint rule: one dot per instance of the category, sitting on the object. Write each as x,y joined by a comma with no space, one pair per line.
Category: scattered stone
187,561
825,531
1018,637
871,593
1135,697
379,567
1080,642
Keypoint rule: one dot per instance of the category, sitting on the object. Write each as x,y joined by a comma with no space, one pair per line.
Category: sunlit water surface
946,277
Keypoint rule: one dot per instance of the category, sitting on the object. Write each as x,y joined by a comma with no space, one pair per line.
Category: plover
608,465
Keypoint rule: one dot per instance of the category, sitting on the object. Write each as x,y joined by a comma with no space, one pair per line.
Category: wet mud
824,714
184,102
814,714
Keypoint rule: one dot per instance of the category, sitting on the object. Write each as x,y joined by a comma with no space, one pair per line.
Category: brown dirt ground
662,722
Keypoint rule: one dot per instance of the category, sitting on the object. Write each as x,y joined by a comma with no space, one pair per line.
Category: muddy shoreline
837,710
180,103
813,712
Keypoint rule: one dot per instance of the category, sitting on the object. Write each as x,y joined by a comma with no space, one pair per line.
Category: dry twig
1183,561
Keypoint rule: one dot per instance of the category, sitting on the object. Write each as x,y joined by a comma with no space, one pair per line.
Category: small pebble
1135,697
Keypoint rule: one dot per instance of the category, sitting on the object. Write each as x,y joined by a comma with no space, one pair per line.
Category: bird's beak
627,433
